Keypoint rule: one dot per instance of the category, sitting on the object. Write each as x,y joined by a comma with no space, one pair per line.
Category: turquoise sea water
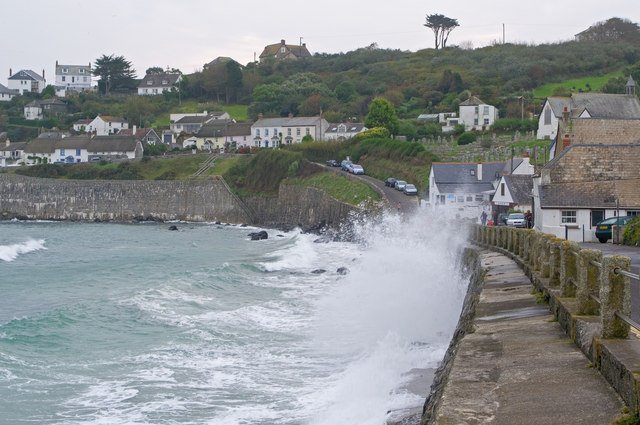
131,323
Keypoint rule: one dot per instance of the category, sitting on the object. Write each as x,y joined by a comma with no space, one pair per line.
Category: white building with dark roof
154,84
76,78
477,115
106,125
272,132
6,94
550,116
26,80
343,131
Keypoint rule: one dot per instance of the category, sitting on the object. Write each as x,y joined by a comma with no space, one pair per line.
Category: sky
186,34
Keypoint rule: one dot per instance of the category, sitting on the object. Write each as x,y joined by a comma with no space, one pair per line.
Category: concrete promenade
517,366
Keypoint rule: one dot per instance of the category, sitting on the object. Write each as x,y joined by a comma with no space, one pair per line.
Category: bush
466,138
631,235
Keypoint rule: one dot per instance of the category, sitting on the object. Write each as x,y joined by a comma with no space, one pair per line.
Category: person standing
483,218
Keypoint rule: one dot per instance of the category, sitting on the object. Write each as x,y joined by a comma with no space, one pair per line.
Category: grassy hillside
585,84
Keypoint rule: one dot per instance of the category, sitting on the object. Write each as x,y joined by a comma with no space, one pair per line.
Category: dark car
603,228
332,163
391,182
501,221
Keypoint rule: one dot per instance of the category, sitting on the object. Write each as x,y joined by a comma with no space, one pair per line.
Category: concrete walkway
518,366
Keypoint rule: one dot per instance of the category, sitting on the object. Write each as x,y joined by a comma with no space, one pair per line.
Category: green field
340,188
578,84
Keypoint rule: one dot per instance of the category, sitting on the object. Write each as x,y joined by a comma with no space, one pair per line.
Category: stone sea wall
206,200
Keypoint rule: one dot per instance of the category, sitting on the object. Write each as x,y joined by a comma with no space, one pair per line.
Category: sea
122,323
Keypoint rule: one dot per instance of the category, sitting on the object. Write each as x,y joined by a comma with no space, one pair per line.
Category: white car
516,220
357,169
400,184
410,189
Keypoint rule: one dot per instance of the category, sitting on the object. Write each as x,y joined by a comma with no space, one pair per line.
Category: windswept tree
441,27
114,72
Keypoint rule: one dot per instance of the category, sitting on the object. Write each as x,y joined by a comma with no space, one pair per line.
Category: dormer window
283,49
65,70
165,82
149,83
81,71
473,172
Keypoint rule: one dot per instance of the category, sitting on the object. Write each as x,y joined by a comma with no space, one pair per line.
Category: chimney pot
282,42
10,72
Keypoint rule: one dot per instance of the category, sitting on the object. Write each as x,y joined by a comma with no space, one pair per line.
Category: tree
154,70
140,110
612,29
382,114
441,27
114,72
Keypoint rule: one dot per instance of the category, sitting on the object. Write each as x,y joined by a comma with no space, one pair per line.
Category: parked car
516,220
400,184
410,189
391,181
332,163
346,165
501,221
357,169
603,228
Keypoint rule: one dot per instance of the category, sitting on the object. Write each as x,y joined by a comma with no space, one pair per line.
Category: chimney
10,72
290,114
134,129
8,142
56,63
479,172
43,74
304,45
282,42
565,114
260,116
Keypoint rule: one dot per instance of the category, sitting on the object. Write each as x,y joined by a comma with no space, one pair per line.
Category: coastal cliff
206,200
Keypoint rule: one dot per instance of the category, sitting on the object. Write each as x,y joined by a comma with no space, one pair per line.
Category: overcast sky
189,33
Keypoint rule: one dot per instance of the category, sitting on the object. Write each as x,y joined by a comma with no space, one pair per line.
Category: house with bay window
26,80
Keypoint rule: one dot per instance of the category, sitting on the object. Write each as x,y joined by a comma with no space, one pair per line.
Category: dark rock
342,270
256,236
173,227
318,271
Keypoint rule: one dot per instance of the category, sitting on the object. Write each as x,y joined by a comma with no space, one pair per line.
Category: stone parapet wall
607,131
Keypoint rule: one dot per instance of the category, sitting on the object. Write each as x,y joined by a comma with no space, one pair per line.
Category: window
501,189
307,132
475,121
460,199
479,198
469,198
85,79
569,216
275,131
61,152
81,71
485,110
486,121
442,199
283,49
473,172
297,131
65,70
288,132
547,116
477,109
64,78
635,213
266,132
149,83
258,132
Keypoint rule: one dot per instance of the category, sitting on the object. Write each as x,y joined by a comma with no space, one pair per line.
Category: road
394,197
633,252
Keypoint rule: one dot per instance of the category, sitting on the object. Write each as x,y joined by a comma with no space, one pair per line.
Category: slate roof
558,104
50,135
274,50
520,187
225,128
116,143
287,122
7,90
73,69
108,118
26,74
602,105
141,133
621,179
461,177
13,146
159,80
192,119
352,127
472,101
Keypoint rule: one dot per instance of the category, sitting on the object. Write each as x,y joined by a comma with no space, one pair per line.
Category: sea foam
11,252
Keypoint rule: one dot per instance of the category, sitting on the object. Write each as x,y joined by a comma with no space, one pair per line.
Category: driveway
633,252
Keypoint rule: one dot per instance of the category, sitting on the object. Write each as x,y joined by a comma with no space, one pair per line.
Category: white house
148,136
82,149
584,184
477,115
514,191
224,135
153,84
271,132
550,116
12,154
115,147
106,125
463,189
26,81
192,123
42,109
75,78
343,131
6,94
